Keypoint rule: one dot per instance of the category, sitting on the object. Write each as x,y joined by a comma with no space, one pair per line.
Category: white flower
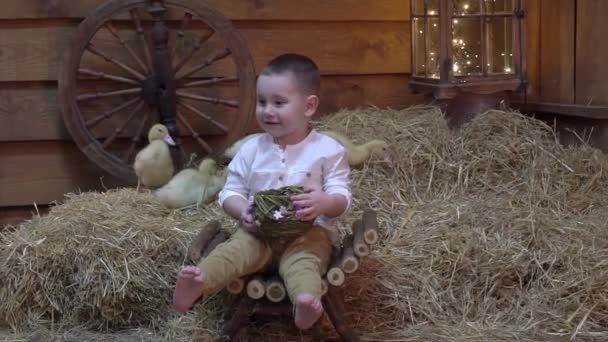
277,215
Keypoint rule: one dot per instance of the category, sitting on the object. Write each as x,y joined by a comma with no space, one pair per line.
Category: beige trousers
301,265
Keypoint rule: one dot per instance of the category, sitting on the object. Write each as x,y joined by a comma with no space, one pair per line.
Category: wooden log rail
266,295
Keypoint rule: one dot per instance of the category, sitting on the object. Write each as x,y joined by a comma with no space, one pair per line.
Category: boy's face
283,110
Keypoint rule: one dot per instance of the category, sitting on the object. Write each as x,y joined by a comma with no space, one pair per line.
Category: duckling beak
167,138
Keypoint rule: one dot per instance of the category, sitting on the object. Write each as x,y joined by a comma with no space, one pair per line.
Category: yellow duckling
358,154
232,150
153,164
192,186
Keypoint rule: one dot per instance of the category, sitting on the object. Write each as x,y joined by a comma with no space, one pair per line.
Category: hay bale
493,225
491,232
100,259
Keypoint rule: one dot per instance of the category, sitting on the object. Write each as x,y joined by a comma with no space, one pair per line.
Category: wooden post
202,239
335,275
256,288
236,286
370,225
220,237
360,247
349,261
275,290
334,307
240,318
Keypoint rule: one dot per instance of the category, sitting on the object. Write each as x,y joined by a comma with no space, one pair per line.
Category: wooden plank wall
361,46
591,56
567,63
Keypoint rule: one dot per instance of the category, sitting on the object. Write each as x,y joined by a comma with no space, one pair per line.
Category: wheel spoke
180,34
203,115
195,48
100,94
120,128
113,32
182,151
214,100
195,135
219,56
116,62
142,37
211,81
106,115
135,140
101,74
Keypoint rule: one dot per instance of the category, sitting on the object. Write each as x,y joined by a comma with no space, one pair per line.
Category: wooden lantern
467,46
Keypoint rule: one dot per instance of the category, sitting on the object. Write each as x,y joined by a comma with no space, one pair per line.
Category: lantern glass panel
466,7
431,6
417,7
433,48
419,38
500,46
466,47
498,6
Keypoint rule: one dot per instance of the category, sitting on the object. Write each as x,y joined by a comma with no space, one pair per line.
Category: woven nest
275,215
491,232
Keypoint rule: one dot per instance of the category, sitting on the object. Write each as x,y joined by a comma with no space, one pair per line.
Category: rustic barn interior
362,47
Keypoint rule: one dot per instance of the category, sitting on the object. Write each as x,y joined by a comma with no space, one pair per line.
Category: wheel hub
151,90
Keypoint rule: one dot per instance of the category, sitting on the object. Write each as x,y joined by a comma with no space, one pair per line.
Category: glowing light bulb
468,62
461,41
455,41
431,12
507,69
455,67
421,32
466,6
455,21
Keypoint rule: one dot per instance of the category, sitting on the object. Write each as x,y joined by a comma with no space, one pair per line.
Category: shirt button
283,160
281,178
308,174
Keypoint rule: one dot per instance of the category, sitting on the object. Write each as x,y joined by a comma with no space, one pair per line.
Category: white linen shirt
260,164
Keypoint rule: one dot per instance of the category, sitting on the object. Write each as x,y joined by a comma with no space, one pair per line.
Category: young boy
288,153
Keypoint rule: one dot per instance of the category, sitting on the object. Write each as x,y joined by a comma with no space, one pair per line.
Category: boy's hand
312,203
248,219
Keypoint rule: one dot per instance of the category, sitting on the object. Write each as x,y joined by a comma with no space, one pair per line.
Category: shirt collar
304,141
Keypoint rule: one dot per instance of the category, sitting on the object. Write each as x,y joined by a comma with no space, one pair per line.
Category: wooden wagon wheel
133,63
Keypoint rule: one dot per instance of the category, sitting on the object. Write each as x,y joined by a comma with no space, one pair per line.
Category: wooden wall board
557,51
35,53
30,111
591,52
318,10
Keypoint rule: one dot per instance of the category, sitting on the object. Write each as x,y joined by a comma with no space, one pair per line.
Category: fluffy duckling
232,150
153,164
358,154
192,186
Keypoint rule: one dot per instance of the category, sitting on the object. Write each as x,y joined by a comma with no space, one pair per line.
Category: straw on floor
490,232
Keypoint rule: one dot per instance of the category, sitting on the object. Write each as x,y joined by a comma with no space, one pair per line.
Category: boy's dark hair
303,68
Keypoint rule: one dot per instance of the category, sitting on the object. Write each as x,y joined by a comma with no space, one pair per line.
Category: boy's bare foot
189,288
308,310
